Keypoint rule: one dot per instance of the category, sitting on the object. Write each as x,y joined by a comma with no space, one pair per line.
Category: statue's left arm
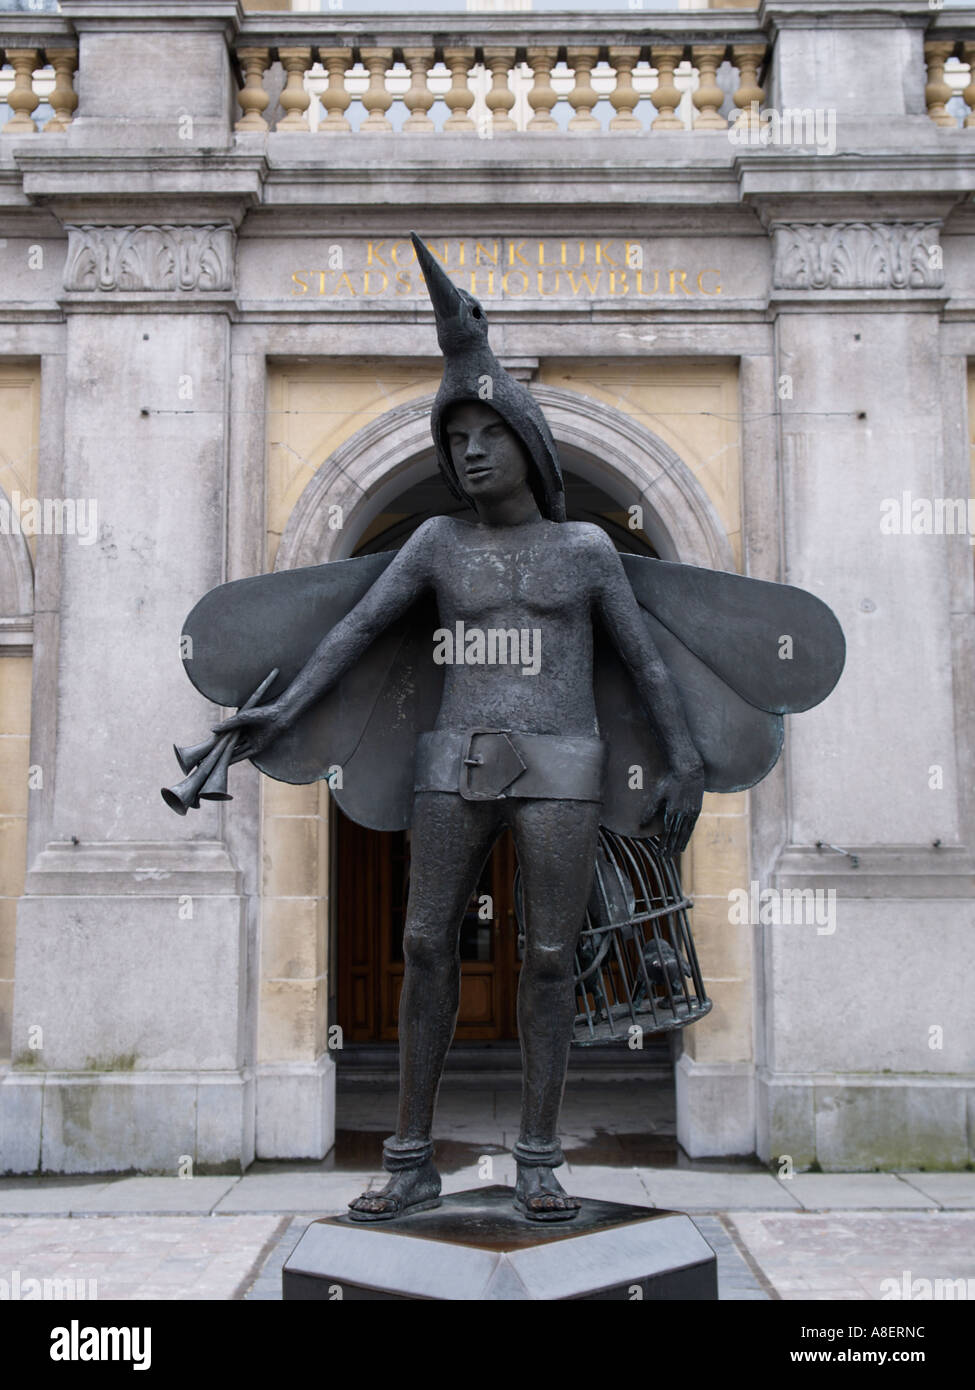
679,795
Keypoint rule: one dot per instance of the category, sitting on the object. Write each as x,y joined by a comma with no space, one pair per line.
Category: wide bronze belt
490,764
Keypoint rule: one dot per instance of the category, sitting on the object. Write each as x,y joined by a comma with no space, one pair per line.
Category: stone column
132,1032
866,1037
130,1047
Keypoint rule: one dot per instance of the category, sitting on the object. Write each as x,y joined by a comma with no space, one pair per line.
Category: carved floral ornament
150,258
857,256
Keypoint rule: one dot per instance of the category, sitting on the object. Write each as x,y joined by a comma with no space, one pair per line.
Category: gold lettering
506,288
372,253
348,283
624,286
541,285
700,279
682,282
404,285
321,281
365,282
639,283
589,282
297,278
514,251
603,255
490,284
394,251
490,256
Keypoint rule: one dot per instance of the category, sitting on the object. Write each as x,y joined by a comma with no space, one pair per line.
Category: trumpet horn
206,764
192,753
215,786
185,796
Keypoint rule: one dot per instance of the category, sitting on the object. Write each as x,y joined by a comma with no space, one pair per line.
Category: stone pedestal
476,1247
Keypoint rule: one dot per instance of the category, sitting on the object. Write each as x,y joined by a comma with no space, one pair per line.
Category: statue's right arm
399,585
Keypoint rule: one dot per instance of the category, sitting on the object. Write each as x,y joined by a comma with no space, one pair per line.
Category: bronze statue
555,686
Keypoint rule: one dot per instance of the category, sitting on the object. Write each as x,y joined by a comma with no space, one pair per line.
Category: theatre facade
732,252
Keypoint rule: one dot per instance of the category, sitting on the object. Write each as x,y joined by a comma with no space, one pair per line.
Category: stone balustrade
38,62
504,81
951,80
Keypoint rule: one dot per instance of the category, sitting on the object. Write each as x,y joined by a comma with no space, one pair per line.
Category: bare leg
451,840
556,843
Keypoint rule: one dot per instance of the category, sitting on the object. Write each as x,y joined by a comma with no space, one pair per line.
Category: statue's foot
541,1197
417,1189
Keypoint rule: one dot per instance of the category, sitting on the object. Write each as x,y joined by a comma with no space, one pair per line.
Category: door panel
372,882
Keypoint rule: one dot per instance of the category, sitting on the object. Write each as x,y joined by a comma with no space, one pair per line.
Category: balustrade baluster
22,99
460,98
624,96
500,99
709,97
419,98
252,98
335,98
748,98
937,93
583,96
295,100
543,95
667,96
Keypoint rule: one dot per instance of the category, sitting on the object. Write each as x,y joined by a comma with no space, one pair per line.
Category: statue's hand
678,796
259,727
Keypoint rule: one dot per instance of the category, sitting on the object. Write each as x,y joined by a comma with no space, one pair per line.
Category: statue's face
488,457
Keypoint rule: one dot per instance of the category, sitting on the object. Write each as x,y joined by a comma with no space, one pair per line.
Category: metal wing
742,652
366,727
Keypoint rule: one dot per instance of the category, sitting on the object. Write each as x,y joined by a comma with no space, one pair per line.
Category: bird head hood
473,373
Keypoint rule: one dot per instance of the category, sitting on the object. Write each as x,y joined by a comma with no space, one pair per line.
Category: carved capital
857,256
160,258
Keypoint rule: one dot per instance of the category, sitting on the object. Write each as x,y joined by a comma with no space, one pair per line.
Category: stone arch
393,451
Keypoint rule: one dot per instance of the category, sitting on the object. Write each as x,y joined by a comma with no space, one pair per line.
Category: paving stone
866,1254
133,1257
858,1191
955,1191
185,1196
324,1194
690,1191
52,1196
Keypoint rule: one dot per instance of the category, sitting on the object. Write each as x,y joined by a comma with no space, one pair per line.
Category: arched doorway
382,481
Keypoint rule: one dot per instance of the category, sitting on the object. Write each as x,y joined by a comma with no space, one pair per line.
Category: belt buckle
500,764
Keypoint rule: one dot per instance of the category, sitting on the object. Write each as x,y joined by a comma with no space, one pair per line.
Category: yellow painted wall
19,426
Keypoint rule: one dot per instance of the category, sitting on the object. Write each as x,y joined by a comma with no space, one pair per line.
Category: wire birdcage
636,964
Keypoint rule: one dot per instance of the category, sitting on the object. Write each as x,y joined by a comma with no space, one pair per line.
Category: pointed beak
442,291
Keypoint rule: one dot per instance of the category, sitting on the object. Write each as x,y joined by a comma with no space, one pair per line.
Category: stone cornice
845,14
109,187
121,16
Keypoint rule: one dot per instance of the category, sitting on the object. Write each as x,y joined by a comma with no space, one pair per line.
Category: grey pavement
822,1235
814,1235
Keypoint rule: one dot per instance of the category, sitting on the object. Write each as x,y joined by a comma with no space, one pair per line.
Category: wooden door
372,883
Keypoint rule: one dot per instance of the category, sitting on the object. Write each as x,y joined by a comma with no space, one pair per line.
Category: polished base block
476,1246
